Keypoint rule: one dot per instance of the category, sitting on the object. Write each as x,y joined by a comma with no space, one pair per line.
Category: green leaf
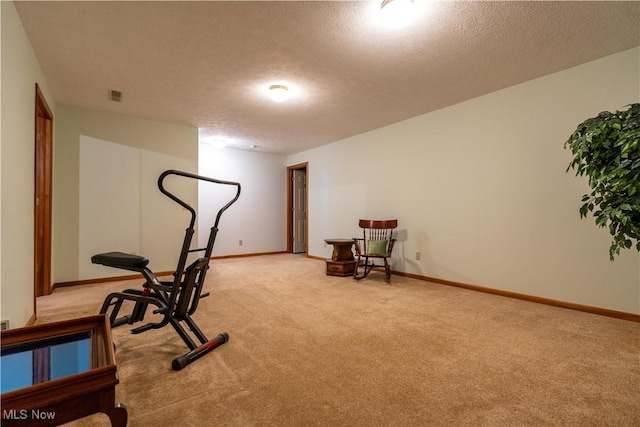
606,149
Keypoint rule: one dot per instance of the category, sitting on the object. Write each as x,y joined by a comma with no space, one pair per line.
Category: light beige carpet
307,349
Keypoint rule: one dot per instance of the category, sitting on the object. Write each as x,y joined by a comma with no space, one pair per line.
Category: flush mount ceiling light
278,93
215,141
398,13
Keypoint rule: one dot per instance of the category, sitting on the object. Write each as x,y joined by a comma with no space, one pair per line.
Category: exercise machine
177,300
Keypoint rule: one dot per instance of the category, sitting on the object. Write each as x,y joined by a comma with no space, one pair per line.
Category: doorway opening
42,196
297,208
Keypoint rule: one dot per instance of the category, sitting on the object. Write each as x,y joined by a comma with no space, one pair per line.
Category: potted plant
606,149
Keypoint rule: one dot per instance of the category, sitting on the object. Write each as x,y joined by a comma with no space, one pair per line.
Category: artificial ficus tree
606,150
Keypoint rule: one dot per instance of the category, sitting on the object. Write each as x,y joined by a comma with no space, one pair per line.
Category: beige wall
160,223
20,73
480,189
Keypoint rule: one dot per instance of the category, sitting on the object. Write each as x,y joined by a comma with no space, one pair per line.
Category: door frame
43,197
289,237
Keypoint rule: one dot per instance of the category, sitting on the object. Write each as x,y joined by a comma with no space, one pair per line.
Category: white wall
20,73
119,155
121,208
258,218
110,172
480,189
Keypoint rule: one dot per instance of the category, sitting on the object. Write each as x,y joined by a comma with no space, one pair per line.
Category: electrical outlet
418,255
239,242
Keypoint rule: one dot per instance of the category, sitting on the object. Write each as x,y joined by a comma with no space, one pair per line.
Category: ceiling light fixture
278,93
397,13
215,141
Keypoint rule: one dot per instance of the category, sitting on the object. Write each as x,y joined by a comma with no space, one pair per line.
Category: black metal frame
176,300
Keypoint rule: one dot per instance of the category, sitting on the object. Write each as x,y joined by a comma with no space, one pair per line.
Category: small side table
342,262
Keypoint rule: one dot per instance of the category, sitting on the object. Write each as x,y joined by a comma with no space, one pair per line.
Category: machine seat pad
120,260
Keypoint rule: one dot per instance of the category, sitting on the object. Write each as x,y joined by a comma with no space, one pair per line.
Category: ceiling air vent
115,95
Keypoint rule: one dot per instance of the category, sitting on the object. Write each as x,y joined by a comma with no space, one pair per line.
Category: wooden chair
375,245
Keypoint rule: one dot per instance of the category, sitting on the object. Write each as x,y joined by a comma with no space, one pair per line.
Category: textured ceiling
205,63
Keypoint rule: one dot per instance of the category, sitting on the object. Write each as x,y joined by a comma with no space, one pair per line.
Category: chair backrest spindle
377,243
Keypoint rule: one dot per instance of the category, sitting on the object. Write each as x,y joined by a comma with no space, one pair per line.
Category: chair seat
120,260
